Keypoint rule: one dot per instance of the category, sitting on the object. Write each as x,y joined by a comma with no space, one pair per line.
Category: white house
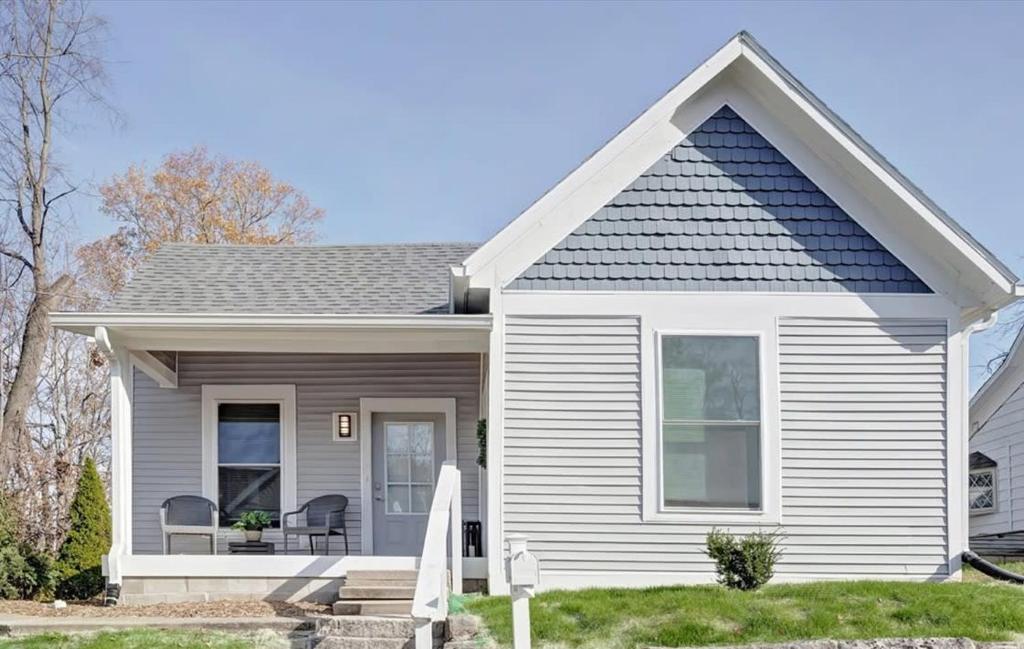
734,314
996,462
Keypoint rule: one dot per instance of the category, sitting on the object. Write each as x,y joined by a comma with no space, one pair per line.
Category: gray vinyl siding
1002,439
863,473
167,431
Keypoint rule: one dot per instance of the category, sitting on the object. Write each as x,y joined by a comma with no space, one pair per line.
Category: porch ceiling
286,333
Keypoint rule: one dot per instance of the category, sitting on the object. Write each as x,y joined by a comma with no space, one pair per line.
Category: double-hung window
248,460
710,423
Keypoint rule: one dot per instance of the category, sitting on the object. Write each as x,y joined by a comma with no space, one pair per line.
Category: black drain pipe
990,569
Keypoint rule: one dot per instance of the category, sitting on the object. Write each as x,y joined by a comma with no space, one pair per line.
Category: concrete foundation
158,590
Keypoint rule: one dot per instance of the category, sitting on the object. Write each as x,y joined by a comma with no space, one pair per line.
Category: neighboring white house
996,478
734,314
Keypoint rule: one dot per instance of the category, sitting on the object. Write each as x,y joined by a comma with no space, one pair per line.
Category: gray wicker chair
188,516
325,516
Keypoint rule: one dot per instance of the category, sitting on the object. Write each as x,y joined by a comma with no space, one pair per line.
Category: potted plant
252,524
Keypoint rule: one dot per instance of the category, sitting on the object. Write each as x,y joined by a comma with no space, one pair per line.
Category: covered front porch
271,412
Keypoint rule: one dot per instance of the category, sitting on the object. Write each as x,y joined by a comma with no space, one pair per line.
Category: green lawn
707,615
147,639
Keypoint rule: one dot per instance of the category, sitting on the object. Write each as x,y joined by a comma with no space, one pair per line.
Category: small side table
250,547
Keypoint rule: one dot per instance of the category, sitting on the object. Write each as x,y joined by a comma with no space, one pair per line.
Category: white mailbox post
523,577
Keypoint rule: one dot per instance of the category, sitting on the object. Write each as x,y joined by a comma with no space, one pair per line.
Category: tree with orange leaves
193,197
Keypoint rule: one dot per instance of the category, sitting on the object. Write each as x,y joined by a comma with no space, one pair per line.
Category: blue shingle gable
724,210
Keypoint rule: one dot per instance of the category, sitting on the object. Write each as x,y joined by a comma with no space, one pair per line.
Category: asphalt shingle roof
359,279
723,210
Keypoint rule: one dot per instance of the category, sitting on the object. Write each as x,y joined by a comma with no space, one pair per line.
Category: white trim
312,340
495,553
121,395
995,491
275,566
354,424
86,322
391,405
164,376
768,513
283,394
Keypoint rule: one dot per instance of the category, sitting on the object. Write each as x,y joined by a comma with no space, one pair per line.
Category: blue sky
425,122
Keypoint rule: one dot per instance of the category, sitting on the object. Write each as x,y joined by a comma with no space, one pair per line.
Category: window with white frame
981,490
710,422
248,460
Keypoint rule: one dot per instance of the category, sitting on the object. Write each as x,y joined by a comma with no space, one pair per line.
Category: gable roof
955,263
999,387
359,279
722,210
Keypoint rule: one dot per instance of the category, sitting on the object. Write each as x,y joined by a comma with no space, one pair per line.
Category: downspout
967,556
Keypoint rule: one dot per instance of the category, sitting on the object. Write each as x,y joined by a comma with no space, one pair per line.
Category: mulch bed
94,608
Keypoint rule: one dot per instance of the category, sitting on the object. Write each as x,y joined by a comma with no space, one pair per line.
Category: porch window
710,422
248,460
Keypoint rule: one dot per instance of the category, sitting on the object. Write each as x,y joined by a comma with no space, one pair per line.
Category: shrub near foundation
88,539
747,563
24,572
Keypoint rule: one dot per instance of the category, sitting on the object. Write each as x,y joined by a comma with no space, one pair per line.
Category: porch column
120,452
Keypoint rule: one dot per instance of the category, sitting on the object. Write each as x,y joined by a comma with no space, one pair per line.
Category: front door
407,451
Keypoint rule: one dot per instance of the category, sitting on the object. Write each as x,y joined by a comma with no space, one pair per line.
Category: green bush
25,573
747,563
88,539
481,442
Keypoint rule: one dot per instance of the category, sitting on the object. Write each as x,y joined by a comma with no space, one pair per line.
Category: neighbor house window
710,422
248,460
981,490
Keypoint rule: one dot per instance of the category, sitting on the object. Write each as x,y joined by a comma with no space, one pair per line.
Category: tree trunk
33,348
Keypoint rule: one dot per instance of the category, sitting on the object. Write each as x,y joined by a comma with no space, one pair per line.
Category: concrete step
379,583
367,626
338,642
372,607
376,592
382,575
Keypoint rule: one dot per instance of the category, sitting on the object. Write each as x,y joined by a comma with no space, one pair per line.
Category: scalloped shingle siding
724,210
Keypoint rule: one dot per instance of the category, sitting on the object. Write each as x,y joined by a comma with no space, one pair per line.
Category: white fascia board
550,219
86,323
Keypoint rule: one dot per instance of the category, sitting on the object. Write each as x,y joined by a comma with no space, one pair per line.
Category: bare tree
49,62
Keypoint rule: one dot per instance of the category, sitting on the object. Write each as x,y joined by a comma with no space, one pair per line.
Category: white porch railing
430,603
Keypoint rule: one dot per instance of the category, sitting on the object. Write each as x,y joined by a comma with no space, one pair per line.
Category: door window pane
423,468
711,431
409,467
421,497
398,499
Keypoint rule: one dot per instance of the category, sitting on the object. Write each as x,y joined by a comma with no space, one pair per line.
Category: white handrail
430,603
